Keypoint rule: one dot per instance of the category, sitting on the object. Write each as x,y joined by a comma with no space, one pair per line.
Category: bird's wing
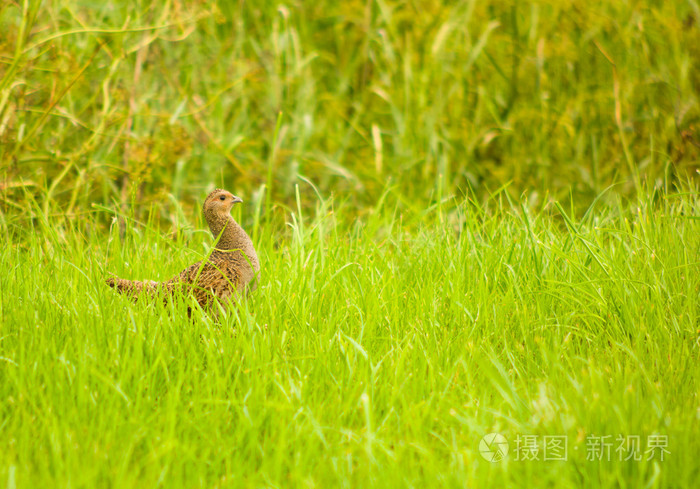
210,278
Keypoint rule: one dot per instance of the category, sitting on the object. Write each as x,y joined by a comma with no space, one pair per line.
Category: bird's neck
233,237
232,234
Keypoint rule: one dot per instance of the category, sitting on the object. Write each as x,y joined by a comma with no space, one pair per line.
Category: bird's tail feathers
133,288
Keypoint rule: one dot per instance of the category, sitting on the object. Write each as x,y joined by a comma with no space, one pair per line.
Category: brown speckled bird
230,271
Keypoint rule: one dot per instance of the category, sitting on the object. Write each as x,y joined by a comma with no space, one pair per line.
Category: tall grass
147,99
375,353
472,218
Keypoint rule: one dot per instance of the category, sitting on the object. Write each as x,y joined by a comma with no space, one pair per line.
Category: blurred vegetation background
142,105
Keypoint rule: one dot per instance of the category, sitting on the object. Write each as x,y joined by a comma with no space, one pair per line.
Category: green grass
472,217
376,352
148,99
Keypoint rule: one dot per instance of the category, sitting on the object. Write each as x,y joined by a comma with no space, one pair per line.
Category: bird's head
219,202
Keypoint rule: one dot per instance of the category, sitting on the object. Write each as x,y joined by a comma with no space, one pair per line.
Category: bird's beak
237,200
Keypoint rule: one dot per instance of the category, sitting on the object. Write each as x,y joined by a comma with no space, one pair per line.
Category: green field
472,218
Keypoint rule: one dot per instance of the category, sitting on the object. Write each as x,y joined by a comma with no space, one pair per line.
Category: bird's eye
222,198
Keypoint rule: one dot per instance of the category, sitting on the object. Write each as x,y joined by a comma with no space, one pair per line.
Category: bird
230,272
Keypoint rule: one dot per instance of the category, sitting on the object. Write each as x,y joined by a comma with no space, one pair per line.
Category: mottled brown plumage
230,271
